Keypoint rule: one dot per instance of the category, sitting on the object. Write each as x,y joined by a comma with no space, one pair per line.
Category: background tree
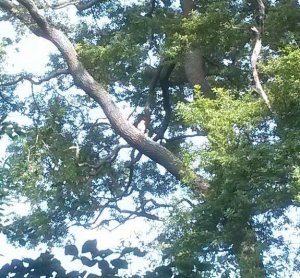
72,163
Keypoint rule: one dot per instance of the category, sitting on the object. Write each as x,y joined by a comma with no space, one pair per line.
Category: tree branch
193,58
77,3
95,90
83,6
164,83
61,4
39,81
107,159
255,53
152,9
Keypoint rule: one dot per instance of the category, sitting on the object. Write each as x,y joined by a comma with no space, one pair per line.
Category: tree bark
95,90
193,58
249,254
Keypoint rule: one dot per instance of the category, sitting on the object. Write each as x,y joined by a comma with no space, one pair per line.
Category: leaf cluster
251,160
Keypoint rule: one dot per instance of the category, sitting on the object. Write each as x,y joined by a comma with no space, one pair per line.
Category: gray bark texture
193,58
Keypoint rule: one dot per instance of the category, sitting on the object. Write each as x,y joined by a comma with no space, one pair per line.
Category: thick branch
14,10
193,59
254,57
164,83
146,113
95,90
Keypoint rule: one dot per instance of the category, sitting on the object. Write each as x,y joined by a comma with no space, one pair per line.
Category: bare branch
77,3
83,6
255,53
39,81
14,10
61,4
35,14
254,58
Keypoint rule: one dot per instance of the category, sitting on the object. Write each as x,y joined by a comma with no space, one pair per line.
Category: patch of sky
32,55
286,232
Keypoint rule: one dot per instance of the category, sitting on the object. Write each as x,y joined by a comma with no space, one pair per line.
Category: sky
23,58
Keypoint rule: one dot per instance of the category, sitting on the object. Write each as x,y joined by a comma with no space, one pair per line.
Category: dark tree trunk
249,254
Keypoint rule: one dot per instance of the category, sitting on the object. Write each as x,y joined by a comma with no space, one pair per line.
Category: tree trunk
249,254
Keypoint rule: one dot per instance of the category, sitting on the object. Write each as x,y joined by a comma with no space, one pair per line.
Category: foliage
47,265
73,168
104,263
252,161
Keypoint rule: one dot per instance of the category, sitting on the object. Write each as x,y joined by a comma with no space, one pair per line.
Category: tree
155,57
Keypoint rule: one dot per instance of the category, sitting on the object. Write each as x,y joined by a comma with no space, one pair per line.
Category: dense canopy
182,111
